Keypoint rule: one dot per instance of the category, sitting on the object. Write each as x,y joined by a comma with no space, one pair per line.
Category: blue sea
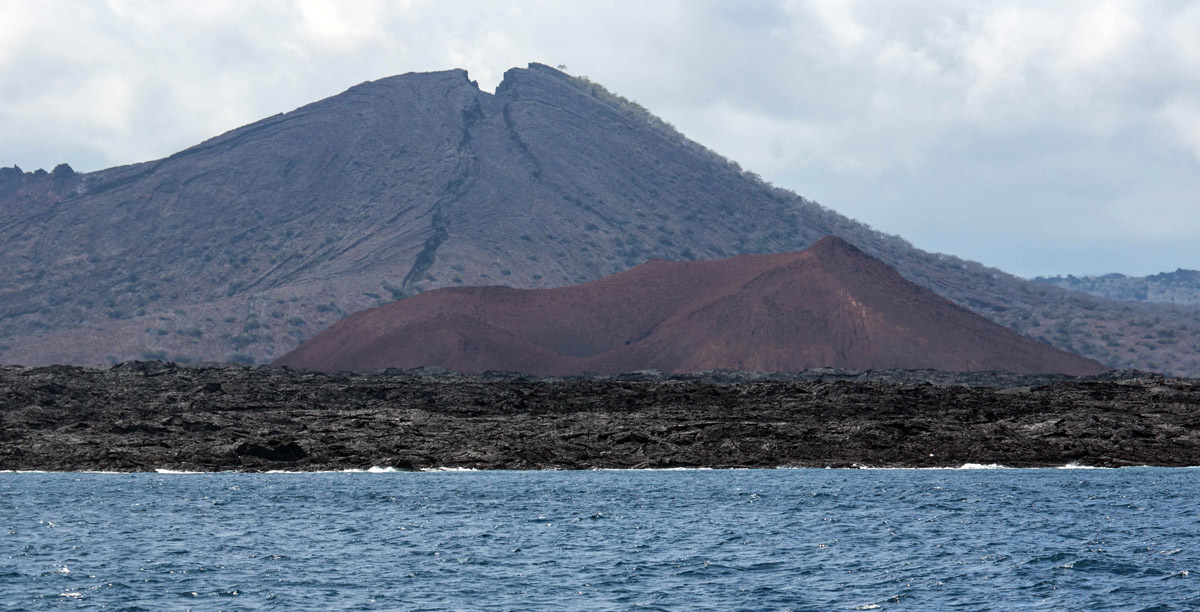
1053,539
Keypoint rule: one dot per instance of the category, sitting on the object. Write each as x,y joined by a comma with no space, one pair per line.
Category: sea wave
1078,466
965,466
437,541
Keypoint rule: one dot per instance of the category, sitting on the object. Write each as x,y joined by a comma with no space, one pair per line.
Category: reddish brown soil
829,306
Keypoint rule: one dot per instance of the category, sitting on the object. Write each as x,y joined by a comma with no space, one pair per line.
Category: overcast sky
1037,137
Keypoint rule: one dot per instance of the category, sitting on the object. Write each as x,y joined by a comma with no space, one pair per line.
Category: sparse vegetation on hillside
1178,287
331,209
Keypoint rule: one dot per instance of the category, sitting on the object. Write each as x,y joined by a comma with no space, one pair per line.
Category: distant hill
829,306
240,247
1178,287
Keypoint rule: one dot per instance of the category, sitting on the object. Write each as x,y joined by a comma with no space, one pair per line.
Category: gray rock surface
148,415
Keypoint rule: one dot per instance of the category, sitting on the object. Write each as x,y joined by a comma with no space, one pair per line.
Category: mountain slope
245,244
829,306
1178,287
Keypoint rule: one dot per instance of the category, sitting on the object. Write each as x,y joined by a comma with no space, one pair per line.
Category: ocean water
1125,539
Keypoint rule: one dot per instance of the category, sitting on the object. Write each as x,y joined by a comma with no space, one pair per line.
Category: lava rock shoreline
142,416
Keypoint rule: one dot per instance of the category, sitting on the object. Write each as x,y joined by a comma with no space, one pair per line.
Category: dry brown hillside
829,306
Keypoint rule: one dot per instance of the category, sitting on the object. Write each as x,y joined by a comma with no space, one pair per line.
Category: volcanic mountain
828,306
244,245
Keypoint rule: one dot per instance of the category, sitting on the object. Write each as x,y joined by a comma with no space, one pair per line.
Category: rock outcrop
38,186
145,416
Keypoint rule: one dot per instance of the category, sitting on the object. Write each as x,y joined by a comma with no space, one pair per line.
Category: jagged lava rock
145,416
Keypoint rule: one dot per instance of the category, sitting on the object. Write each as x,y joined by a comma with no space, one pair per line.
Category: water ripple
605,540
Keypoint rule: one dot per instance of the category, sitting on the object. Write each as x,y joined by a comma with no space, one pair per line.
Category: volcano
241,247
831,305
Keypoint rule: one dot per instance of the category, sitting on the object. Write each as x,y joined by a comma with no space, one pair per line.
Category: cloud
340,26
1040,138
1182,116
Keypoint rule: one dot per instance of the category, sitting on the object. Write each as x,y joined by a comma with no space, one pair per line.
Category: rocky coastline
142,416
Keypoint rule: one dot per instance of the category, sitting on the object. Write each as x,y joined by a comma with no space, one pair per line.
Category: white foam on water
666,469
903,469
350,471
375,469
965,466
982,466
1078,466
166,471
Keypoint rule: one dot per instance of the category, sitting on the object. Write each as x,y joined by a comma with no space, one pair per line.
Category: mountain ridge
1179,287
240,247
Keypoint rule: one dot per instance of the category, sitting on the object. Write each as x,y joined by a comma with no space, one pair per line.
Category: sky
1037,137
